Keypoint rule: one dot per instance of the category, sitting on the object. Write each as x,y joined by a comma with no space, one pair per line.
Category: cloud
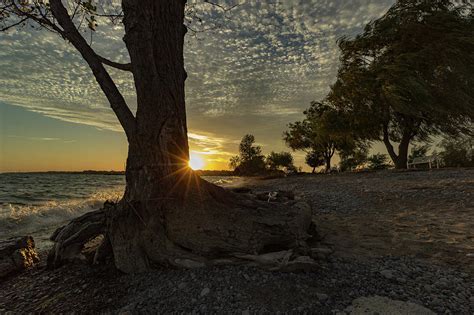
265,63
40,138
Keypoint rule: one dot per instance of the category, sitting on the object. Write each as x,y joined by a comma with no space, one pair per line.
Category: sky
255,73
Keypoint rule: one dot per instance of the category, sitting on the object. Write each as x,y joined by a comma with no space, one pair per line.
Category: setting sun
196,162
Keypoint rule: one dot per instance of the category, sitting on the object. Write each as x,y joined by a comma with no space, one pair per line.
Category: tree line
405,80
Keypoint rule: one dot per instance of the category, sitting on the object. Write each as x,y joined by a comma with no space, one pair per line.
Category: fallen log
16,255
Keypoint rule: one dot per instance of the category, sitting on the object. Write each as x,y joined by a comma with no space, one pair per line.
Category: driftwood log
17,254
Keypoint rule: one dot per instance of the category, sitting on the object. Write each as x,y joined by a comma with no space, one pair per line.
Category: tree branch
115,98
13,25
116,65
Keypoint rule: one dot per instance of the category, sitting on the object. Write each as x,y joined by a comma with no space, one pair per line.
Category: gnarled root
76,240
220,228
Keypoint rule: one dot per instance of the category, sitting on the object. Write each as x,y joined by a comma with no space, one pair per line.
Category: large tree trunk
169,215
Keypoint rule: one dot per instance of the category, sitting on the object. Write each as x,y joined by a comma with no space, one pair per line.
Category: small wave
20,219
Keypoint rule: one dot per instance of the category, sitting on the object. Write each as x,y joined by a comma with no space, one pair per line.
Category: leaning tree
168,215
409,75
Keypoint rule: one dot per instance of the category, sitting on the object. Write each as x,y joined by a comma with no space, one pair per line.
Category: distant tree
280,161
353,157
314,159
409,75
250,160
418,151
321,133
378,161
458,152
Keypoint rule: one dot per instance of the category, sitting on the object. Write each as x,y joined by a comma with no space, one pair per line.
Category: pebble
387,274
205,291
247,290
322,297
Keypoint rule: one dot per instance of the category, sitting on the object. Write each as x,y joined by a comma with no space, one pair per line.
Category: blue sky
254,74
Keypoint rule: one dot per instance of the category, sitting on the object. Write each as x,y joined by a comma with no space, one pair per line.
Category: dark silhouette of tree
314,159
378,161
280,161
352,157
321,133
409,75
168,215
457,152
250,160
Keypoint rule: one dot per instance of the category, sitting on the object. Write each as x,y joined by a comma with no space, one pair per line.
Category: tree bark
168,214
401,159
328,164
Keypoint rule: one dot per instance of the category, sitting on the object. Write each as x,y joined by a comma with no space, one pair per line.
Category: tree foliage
409,75
250,160
353,157
280,161
378,161
457,152
314,159
323,132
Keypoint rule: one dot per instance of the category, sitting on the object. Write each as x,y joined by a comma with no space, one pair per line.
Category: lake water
38,203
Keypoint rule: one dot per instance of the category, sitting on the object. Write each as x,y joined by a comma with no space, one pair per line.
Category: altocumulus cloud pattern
266,61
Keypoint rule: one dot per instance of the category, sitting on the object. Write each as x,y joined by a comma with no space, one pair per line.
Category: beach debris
17,254
276,196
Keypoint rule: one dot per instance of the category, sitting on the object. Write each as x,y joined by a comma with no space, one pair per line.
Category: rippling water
38,203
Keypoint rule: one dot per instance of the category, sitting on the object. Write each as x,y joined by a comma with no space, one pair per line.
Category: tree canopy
280,161
323,132
250,160
409,75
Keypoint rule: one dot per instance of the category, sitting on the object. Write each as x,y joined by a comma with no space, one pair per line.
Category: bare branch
14,24
220,6
116,65
115,98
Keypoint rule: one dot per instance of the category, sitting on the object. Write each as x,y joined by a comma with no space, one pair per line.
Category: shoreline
414,250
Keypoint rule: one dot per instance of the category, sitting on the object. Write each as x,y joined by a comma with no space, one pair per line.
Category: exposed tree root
276,233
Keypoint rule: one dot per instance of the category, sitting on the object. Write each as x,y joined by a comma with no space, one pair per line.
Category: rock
401,280
383,305
182,285
205,291
387,274
427,288
17,254
322,297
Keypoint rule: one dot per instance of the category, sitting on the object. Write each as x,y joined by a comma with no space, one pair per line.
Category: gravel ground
428,279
